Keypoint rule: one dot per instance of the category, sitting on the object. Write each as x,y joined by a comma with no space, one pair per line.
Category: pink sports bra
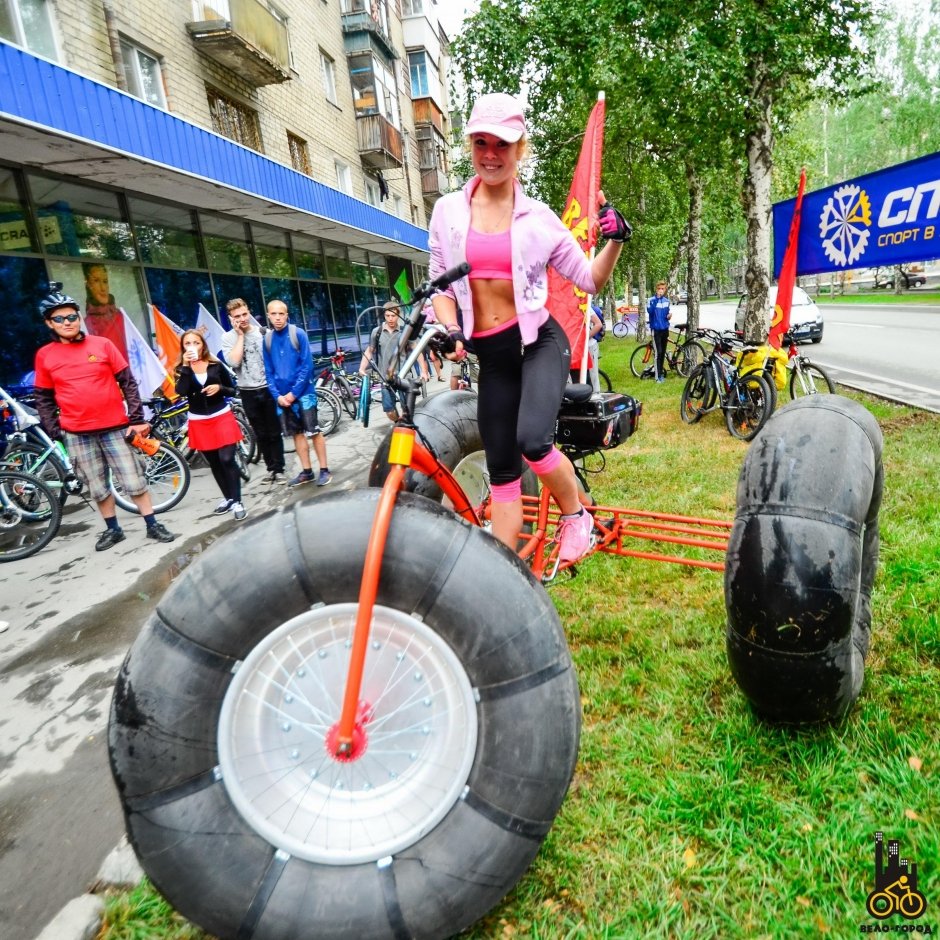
489,256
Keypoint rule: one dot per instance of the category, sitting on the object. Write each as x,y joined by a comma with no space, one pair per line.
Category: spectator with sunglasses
87,398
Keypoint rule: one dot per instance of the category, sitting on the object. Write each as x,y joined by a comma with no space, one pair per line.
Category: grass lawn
688,817
926,297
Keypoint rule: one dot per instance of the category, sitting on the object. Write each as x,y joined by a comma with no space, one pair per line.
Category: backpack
291,335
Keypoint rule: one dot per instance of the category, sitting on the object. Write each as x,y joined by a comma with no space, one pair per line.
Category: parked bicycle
337,381
746,400
30,515
683,354
626,325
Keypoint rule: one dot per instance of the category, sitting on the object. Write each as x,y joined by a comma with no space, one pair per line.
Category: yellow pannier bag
754,362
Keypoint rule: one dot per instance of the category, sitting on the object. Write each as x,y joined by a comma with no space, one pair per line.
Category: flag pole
593,188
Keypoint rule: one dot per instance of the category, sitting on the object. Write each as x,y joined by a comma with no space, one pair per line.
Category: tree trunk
672,278
898,280
755,198
694,286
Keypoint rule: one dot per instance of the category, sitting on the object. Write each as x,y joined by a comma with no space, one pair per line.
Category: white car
805,317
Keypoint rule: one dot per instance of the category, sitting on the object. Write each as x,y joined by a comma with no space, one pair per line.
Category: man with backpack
288,366
383,351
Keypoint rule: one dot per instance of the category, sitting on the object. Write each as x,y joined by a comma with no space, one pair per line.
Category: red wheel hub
360,740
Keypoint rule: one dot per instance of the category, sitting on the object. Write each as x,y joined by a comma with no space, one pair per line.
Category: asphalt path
67,617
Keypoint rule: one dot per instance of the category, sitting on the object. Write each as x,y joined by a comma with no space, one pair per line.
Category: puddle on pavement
114,623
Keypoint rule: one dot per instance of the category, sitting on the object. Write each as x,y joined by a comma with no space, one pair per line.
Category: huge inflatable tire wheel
448,424
224,706
802,558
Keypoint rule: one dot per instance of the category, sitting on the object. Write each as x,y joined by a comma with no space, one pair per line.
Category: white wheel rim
286,696
474,479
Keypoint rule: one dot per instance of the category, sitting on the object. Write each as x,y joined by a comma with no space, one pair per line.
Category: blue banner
885,218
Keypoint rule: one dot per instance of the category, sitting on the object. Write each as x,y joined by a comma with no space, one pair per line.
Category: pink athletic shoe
574,536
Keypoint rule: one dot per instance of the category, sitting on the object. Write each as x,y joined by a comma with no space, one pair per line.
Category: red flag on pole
567,303
780,322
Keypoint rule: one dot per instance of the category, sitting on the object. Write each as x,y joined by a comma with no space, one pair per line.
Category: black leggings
660,341
520,392
225,470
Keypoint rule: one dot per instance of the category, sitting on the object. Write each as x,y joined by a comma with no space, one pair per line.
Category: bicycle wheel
698,395
748,406
606,384
167,475
464,750
30,515
328,410
689,355
640,358
809,379
620,329
248,445
244,468
348,398
27,457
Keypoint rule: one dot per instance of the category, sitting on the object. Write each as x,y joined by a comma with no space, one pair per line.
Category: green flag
402,288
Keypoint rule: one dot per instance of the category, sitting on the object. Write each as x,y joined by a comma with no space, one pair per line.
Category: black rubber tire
604,378
447,423
348,398
802,558
689,355
638,361
25,456
244,468
753,406
200,851
821,383
698,395
30,515
620,329
328,410
168,476
249,443
768,377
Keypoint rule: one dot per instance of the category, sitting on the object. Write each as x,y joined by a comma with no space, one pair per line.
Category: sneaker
324,477
108,539
305,476
223,507
159,533
278,479
239,511
662,378
574,536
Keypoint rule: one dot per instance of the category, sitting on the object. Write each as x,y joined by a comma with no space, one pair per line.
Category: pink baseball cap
498,114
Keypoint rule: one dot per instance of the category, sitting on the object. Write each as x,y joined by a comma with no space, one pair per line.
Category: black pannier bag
604,421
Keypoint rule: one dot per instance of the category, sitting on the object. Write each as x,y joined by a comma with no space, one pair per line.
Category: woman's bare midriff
493,303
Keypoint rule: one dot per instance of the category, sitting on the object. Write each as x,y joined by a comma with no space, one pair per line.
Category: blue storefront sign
885,218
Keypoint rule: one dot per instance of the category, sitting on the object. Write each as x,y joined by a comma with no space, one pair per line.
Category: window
234,120
143,75
343,177
412,7
166,235
373,86
28,23
418,63
299,157
396,202
328,67
372,193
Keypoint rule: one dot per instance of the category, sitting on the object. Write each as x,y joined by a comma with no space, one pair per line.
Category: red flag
567,303
780,322
168,347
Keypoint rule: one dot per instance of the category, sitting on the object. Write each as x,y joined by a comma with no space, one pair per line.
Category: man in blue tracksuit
658,316
288,367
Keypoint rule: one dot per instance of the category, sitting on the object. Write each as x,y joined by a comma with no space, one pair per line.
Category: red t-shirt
81,375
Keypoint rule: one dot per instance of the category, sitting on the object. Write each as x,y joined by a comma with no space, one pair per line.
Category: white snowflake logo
844,225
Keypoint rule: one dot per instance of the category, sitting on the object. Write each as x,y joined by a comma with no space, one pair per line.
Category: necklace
487,222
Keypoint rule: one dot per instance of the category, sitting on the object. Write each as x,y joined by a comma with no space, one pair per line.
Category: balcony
362,31
427,112
246,38
380,144
434,182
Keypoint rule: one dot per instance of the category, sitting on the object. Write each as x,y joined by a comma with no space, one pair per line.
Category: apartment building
189,151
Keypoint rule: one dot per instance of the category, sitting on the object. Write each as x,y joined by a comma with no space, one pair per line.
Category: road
888,350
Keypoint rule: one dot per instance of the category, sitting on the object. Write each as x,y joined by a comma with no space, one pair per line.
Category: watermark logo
895,884
844,225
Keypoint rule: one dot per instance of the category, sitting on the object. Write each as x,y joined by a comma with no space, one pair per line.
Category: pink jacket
538,238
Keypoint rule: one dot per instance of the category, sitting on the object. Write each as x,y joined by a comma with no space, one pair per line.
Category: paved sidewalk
67,617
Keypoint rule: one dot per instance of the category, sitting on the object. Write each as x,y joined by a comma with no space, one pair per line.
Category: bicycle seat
576,392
